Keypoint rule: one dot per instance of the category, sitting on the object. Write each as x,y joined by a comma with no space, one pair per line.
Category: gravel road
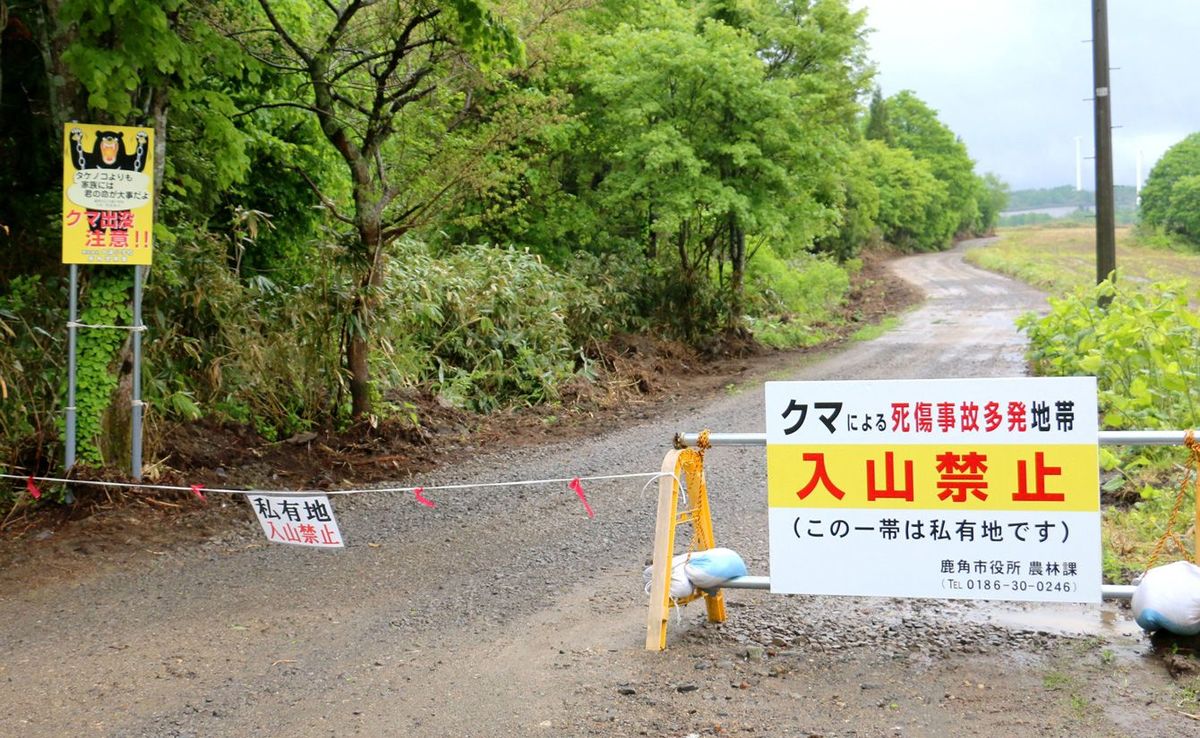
507,612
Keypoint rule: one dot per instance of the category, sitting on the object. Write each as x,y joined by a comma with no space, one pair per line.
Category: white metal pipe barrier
1107,591
1105,438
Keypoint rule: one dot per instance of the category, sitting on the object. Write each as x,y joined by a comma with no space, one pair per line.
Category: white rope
655,477
134,328
301,493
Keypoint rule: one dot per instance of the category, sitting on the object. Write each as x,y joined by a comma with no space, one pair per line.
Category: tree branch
400,102
343,100
325,200
343,20
405,87
377,127
287,38
265,106
367,59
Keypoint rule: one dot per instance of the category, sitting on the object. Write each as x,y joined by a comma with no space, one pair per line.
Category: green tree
878,128
704,147
859,205
817,49
135,63
1169,187
1183,214
915,126
370,73
992,198
912,201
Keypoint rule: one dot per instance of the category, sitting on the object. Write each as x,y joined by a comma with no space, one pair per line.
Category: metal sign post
71,334
107,219
135,446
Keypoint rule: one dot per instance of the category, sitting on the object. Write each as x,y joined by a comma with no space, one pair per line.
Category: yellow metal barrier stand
686,465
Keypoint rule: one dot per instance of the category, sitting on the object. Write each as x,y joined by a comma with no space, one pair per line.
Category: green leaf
1091,364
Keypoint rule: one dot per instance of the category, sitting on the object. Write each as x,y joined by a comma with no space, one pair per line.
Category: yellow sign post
108,200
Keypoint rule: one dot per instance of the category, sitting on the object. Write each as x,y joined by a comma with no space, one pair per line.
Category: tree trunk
116,423
737,277
358,347
66,92
652,240
357,354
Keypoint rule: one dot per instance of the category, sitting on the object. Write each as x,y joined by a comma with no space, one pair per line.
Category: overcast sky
1010,77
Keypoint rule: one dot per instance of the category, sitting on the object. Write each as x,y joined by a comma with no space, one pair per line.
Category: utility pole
1106,236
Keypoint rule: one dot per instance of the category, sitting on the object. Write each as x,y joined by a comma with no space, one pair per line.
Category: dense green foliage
929,191
912,200
32,367
358,198
1143,349
106,303
1171,197
479,338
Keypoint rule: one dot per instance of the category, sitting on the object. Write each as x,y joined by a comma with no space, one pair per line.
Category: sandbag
1168,598
710,569
680,586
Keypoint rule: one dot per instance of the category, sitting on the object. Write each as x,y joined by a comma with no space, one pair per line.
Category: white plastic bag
1168,598
680,586
710,569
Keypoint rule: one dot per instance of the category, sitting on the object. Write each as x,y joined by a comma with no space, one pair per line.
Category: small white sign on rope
305,520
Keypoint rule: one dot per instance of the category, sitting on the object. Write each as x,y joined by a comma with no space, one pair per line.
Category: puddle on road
1108,621
1099,620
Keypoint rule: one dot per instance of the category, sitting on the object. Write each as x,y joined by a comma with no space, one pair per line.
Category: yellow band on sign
1042,478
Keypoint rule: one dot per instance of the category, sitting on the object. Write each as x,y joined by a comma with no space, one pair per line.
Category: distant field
1060,259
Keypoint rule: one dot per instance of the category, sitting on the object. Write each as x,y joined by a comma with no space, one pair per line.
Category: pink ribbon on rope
196,491
578,488
421,498
33,489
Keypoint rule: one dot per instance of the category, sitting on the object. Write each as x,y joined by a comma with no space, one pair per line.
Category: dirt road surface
507,612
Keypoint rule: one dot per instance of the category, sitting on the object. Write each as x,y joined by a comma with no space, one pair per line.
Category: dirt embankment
636,377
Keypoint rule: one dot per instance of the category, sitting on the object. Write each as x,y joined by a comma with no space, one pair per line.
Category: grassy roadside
1145,352
1059,260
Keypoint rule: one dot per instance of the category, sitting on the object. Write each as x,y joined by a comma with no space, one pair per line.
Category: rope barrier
423,488
134,328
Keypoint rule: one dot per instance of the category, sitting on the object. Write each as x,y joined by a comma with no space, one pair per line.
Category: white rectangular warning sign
959,488
299,520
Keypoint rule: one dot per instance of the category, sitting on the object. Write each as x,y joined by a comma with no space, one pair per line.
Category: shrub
1143,349
789,300
32,367
486,326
